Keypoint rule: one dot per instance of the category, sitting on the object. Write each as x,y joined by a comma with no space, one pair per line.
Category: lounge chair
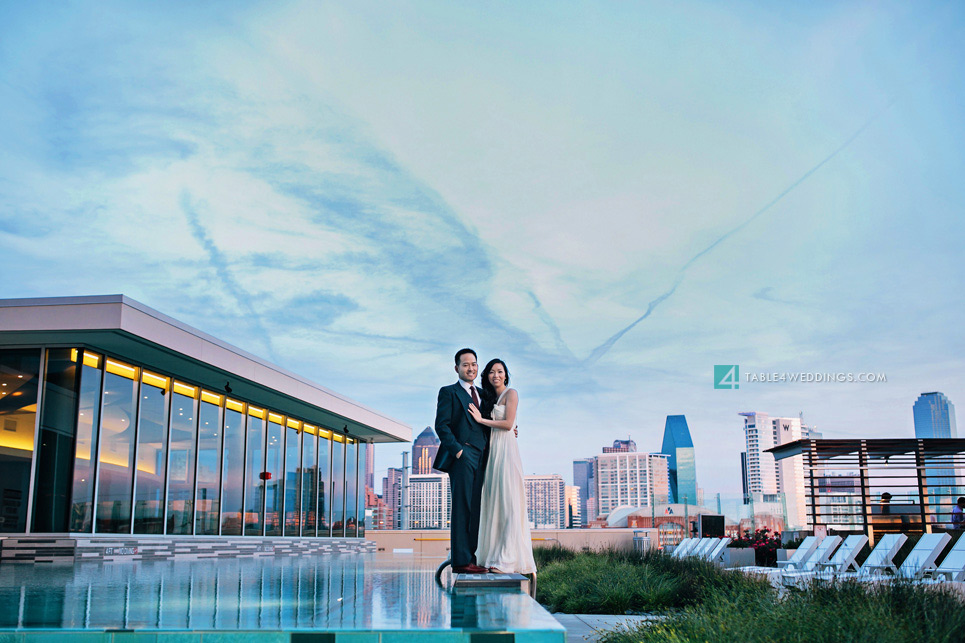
842,561
922,558
716,554
822,551
953,567
704,547
684,547
803,552
880,560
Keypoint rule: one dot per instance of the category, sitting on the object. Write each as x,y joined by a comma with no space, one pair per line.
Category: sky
611,197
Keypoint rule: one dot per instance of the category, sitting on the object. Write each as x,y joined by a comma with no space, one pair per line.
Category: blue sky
356,190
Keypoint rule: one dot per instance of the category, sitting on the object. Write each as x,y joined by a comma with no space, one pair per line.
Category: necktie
475,397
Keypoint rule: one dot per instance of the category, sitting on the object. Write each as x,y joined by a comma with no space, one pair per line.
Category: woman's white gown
504,538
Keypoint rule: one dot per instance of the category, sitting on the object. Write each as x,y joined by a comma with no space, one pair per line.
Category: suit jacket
455,426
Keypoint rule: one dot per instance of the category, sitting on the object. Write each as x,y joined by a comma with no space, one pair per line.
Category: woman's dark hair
489,399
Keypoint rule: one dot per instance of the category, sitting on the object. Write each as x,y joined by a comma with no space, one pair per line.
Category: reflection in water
349,592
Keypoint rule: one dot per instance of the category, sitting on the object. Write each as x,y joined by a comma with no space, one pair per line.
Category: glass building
115,419
679,447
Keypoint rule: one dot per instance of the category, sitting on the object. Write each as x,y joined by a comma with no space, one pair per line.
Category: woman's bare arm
512,402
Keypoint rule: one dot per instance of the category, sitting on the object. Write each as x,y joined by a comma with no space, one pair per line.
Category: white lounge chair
953,566
822,552
842,561
922,558
880,560
685,546
701,550
716,554
803,552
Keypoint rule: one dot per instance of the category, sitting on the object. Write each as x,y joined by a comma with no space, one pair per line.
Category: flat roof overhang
127,329
875,448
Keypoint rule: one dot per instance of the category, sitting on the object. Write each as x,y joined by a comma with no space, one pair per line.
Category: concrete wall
435,542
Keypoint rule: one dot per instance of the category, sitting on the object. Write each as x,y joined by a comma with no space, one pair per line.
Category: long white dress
504,537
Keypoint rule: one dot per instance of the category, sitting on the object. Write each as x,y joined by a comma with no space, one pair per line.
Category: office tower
622,446
430,505
573,518
370,465
546,501
768,476
392,497
584,479
629,478
934,416
679,449
424,452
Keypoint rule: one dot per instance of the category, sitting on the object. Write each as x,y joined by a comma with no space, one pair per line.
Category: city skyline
613,199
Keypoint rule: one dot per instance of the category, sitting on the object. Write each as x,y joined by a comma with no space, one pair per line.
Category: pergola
880,485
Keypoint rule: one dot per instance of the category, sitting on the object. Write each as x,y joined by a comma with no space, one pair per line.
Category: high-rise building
546,501
424,452
573,518
766,476
934,416
629,478
370,465
430,505
622,446
679,449
584,479
392,497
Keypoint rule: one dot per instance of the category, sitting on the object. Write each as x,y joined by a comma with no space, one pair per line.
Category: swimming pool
350,598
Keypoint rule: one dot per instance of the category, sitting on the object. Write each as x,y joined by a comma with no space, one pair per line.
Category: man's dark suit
457,432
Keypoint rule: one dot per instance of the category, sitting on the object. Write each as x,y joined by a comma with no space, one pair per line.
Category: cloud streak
605,347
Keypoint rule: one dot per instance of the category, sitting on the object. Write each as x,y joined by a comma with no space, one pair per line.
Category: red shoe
469,569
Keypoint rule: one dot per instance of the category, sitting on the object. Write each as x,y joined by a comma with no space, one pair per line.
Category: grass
704,603
621,582
894,613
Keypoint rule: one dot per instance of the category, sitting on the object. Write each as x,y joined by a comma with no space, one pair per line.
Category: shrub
764,543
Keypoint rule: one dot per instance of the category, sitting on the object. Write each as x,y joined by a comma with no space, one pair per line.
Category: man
958,514
463,443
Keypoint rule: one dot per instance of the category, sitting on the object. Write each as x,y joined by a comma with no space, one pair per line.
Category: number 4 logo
727,376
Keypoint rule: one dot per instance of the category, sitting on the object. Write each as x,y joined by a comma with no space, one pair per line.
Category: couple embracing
489,528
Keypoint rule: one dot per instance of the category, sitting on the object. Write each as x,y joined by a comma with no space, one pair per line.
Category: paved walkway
581,628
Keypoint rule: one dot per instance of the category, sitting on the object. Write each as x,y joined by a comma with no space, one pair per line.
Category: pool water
388,595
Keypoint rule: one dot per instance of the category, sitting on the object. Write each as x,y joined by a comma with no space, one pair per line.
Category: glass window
293,440
152,440
351,488
274,475
209,464
324,513
184,421
115,448
255,470
19,378
233,463
88,413
338,485
58,421
309,479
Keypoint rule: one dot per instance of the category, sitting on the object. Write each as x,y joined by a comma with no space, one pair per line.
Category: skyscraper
573,519
546,501
584,479
764,475
679,447
634,479
622,446
424,452
370,465
934,416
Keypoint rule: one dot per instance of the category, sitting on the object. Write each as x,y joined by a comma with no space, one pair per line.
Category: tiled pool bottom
350,598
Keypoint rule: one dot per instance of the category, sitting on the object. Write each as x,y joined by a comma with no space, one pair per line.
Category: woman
505,545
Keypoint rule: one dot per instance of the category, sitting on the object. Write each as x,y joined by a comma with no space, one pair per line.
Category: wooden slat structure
880,486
